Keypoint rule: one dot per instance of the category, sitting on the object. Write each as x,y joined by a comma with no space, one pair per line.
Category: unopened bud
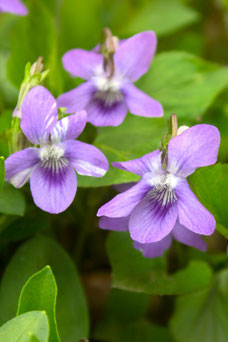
181,129
37,67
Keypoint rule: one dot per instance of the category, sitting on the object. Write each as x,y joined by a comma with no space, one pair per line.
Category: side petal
69,128
82,63
197,146
13,6
86,159
53,191
101,115
19,166
140,103
77,99
123,204
155,249
192,213
150,221
148,163
119,224
185,236
133,57
39,115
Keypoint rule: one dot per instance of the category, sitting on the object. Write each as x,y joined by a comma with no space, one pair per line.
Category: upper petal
195,147
78,98
148,163
150,221
133,57
154,249
53,190
13,6
118,223
140,103
82,63
39,115
87,159
185,236
69,128
192,213
19,166
123,204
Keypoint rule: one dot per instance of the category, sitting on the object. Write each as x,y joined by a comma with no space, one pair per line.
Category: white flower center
163,187
108,89
52,156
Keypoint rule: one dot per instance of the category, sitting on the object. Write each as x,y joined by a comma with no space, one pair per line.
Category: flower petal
53,191
78,98
118,223
13,6
19,166
123,204
82,63
69,128
192,213
140,103
154,249
150,221
86,159
197,146
133,57
148,163
100,114
39,115
185,236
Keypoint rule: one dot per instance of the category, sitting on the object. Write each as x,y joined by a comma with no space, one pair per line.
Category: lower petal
13,6
76,99
150,221
53,191
155,249
19,166
119,224
192,213
140,103
100,114
185,236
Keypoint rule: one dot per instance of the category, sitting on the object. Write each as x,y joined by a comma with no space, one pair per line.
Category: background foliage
61,277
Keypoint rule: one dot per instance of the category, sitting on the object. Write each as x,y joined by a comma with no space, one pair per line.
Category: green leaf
134,138
152,276
40,293
183,83
31,39
210,185
11,201
2,172
155,15
202,316
32,326
71,308
124,320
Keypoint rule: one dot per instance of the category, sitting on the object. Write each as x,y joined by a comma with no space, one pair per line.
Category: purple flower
163,198
155,249
107,98
50,167
13,6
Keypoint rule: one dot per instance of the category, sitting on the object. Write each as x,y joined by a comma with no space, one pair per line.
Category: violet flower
108,95
163,198
154,249
50,167
13,6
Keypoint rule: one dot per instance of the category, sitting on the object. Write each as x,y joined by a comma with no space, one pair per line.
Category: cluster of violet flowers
155,210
